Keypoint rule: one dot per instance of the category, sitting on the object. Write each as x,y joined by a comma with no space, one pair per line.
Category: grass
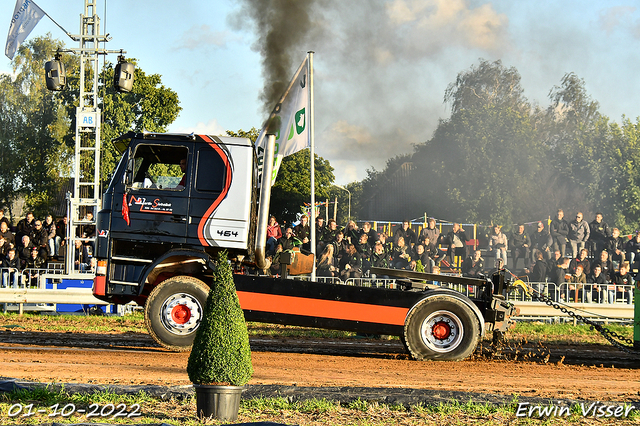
564,333
281,410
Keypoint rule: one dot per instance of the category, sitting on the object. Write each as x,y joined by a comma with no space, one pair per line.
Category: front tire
173,311
441,328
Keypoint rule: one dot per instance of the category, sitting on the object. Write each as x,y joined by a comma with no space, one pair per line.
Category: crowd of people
589,260
33,242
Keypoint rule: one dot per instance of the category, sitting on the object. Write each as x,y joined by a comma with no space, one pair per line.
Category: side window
211,172
160,167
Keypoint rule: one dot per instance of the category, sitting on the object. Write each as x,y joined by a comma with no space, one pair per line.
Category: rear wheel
173,311
441,328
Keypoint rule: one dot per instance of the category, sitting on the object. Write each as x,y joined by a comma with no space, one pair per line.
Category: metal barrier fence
31,277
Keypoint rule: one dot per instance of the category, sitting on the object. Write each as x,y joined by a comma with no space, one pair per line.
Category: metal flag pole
312,220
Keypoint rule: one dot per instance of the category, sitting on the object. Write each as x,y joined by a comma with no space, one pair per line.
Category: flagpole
312,220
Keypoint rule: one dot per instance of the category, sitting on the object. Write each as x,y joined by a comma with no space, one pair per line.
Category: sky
381,67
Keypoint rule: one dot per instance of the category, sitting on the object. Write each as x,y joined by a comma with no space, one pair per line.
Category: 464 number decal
227,233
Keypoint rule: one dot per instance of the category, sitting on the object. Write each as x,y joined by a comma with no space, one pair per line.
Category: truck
175,200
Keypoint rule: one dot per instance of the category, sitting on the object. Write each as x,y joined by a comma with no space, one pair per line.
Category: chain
610,335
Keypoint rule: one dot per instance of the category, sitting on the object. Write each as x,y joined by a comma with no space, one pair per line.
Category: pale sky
381,67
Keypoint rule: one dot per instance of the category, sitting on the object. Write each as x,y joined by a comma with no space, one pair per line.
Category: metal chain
610,335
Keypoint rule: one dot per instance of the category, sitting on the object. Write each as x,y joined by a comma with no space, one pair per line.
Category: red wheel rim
441,330
180,314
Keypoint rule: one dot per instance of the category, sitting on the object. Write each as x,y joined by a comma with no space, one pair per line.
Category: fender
172,258
461,297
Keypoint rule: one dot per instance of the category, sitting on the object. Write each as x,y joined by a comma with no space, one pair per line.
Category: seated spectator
3,219
386,245
420,261
61,233
598,235
599,284
288,241
605,265
330,232
473,266
339,246
327,265
351,232
632,250
615,246
400,255
624,285
435,254
32,266
457,241
576,285
379,258
559,277
351,264
40,239
551,264
581,260
541,240
498,244
302,232
405,231
539,271
24,250
362,247
559,230
87,231
10,269
7,234
274,233
320,228
432,232
519,244
49,227
80,256
25,226
372,235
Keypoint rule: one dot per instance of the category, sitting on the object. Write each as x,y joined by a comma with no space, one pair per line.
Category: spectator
340,246
457,240
351,264
539,271
382,239
405,231
632,249
327,265
623,285
380,259
320,228
599,281
605,265
35,261
598,235
89,230
576,285
49,227
420,261
578,234
4,247
580,260
559,230
432,232
400,255
303,232
7,234
520,244
61,233
40,239
274,233
473,266
24,250
372,235
81,256
288,241
615,246
362,247
329,234
551,265
498,244
10,269
434,252
4,219
351,232
25,226
541,240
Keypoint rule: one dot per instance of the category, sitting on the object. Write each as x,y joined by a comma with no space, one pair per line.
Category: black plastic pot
221,402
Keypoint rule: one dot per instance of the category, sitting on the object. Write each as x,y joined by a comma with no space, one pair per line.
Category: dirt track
586,372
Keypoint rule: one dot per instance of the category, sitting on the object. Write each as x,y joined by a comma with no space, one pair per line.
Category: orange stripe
322,308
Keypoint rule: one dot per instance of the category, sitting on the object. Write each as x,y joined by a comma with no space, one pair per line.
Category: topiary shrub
221,354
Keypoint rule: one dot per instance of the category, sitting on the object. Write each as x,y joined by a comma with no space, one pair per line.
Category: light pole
342,187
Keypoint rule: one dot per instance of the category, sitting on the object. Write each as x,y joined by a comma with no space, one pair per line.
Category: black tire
441,328
173,311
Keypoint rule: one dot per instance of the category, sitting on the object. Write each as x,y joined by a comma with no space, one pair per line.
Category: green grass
565,333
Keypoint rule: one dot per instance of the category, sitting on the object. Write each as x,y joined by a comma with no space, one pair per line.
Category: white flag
25,17
288,121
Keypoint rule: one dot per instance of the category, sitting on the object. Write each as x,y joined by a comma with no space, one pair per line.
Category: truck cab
173,201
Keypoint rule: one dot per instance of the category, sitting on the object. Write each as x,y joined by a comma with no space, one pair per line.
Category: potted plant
220,362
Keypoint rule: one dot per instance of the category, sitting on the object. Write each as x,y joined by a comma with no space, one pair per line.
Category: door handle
179,218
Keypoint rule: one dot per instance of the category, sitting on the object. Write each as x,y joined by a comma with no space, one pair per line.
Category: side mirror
128,172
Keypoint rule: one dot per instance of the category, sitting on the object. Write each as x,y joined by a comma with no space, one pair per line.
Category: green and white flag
25,17
288,121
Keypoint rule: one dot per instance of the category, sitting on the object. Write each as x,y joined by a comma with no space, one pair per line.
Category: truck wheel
173,311
441,328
